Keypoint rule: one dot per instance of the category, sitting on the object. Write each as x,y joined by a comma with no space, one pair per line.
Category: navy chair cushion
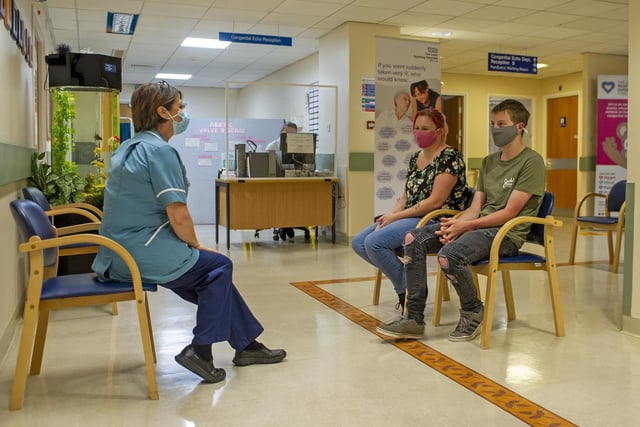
78,285
617,196
604,220
36,195
32,221
521,257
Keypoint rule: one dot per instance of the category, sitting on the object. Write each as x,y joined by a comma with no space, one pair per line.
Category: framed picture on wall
6,7
15,21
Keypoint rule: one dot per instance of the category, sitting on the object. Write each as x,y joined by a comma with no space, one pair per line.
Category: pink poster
611,154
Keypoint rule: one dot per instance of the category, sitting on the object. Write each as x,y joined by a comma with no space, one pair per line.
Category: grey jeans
454,259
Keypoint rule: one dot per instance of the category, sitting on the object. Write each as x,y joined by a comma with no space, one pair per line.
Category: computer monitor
298,150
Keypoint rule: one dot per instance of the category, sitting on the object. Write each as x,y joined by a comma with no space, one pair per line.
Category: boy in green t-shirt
511,184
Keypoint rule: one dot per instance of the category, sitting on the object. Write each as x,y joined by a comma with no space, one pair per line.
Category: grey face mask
503,136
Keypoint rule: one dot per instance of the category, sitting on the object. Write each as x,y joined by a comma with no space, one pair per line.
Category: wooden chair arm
576,212
78,228
60,210
507,226
436,213
80,205
35,244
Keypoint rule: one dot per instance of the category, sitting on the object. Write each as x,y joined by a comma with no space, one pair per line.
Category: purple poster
611,155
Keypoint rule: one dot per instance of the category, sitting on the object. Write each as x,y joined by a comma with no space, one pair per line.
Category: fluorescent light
442,33
204,43
541,65
173,76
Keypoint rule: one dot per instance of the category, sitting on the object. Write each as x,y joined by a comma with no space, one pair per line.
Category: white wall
202,102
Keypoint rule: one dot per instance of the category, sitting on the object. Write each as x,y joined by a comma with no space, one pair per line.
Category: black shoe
283,234
203,368
263,355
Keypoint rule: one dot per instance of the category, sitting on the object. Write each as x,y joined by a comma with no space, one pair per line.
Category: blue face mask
181,126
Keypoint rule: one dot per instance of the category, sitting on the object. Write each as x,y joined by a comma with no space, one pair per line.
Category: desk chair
541,233
615,201
283,233
46,291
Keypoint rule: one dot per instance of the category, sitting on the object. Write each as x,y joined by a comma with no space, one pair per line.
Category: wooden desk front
259,203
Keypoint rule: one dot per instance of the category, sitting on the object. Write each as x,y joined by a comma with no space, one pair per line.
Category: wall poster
400,65
611,154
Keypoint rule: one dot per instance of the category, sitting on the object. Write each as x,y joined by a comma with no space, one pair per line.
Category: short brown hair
146,99
515,110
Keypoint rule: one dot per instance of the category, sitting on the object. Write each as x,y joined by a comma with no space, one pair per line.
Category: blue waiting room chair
46,292
613,220
541,234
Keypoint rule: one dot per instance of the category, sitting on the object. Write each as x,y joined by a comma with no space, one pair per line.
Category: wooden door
452,109
562,150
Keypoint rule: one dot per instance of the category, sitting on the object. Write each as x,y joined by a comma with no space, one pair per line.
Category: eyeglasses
163,83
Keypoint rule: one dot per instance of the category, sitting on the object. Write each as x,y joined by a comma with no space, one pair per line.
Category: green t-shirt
498,178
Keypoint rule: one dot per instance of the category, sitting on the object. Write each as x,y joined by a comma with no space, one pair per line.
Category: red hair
436,117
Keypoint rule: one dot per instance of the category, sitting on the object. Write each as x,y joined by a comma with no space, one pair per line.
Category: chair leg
114,308
508,295
147,347
610,245
24,355
441,286
476,284
616,256
38,346
376,287
572,249
153,343
485,336
556,305
446,296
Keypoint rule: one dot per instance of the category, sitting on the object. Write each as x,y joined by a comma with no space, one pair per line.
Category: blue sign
508,63
254,39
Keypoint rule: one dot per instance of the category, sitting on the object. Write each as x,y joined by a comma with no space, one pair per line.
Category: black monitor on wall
298,150
84,70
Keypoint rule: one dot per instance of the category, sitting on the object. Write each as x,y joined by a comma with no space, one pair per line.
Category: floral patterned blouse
420,182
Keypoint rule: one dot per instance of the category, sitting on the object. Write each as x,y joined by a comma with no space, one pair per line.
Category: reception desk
261,203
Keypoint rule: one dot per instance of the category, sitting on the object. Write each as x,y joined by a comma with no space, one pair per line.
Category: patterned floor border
511,402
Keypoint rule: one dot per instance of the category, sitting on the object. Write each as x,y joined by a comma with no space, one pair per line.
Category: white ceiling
556,31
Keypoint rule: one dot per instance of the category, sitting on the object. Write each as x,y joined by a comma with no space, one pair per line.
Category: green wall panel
15,163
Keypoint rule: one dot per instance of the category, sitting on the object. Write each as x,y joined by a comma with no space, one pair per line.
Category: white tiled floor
338,373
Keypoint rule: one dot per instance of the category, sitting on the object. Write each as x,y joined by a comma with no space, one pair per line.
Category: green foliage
41,174
94,190
60,181
61,129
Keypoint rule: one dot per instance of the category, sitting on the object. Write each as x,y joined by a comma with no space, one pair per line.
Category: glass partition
283,108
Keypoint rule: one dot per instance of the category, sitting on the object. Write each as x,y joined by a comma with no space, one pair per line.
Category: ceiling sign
509,63
121,23
255,39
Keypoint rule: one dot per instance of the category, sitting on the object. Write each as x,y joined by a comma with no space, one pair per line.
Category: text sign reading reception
509,63
254,39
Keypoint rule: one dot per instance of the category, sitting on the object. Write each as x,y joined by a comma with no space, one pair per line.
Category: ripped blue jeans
454,259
